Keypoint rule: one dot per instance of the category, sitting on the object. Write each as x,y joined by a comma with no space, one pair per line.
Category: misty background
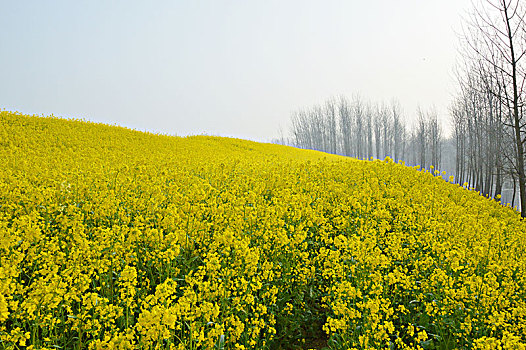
228,68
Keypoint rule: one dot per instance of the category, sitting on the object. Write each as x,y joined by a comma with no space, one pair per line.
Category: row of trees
363,130
477,153
487,148
488,112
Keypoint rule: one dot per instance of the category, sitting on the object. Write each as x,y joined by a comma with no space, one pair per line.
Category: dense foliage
113,238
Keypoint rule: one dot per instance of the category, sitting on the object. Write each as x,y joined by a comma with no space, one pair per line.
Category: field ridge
115,238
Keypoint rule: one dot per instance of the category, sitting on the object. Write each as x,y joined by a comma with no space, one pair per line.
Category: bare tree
358,116
496,36
386,120
398,131
330,111
344,117
421,137
368,116
377,131
435,137
459,134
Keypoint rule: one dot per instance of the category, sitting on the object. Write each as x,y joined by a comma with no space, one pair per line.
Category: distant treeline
475,154
487,149
363,130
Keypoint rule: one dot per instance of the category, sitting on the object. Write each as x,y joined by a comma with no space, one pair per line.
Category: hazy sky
230,68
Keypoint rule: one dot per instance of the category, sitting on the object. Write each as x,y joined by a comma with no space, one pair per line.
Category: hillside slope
111,237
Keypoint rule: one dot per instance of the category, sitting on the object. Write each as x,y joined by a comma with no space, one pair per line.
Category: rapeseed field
116,239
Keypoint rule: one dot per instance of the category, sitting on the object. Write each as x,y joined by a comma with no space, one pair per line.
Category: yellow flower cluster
116,239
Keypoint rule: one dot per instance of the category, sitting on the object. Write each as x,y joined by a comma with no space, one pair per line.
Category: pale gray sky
223,67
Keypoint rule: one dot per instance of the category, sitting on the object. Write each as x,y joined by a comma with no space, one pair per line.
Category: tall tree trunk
516,119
